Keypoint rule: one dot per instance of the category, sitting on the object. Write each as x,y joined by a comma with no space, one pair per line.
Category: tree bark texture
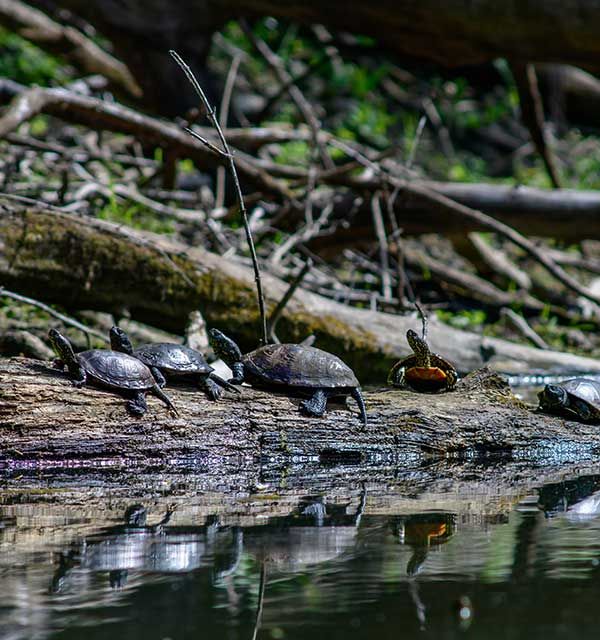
45,420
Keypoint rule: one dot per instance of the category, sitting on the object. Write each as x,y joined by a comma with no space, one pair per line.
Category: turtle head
62,347
553,396
224,347
119,341
420,347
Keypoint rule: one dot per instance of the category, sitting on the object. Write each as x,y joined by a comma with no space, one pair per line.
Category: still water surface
319,566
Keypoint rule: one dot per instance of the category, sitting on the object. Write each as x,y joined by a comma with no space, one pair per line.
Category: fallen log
45,419
82,263
452,34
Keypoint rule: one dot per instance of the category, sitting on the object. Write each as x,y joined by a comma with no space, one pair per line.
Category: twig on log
5,293
210,114
386,282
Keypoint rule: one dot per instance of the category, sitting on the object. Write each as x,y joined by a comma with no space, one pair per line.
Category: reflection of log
85,264
45,419
449,33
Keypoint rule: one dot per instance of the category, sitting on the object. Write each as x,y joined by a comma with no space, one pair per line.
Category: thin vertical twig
274,319
223,117
386,280
261,598
228,156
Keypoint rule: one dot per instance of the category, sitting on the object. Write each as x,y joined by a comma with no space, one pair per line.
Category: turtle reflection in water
423,370
139,546
421,532
308,538
577,397
292,368
111,370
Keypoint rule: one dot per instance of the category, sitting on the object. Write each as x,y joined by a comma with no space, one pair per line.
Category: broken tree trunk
82,263
44,418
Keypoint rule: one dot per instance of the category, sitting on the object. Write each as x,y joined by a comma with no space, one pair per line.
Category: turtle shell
172,358
586,390
296,365
114,369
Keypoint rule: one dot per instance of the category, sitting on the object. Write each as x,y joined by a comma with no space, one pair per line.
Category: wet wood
83,263
47,423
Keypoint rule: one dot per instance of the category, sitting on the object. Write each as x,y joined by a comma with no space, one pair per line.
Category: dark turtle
174,361
424,370
294,367
110,369
578,396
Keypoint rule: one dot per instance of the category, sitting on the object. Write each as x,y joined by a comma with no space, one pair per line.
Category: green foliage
465,319
25,63
135,216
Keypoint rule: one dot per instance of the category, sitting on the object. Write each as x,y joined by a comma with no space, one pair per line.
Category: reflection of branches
261,598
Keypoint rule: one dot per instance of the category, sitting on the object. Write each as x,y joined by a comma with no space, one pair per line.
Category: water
369,559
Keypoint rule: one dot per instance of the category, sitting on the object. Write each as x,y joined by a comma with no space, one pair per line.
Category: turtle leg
396,375
137,405
237,369
360,401
581,408
158,376
451,379
79,376
213,390
216,383
316,405
161,395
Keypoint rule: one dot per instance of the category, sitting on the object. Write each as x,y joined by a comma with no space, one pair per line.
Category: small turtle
424,370
109,369
579,396
297,368
174,361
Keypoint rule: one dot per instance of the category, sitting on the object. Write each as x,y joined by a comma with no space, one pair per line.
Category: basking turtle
579,396
297,368
112,370
424,370
174,361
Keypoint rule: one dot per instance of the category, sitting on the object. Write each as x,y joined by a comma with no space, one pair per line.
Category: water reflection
334,566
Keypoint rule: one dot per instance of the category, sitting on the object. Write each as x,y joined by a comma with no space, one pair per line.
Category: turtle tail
357,395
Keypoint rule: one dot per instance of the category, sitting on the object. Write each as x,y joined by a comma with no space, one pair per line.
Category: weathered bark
450,33
44,418
91,264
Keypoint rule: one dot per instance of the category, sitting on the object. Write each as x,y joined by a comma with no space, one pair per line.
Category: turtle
110,369
174,361
296,368
424,370
579,396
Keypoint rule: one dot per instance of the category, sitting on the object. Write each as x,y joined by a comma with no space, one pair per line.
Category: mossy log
81,263
46,421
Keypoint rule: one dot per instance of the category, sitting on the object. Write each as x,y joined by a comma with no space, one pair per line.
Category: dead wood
44,417
83,263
